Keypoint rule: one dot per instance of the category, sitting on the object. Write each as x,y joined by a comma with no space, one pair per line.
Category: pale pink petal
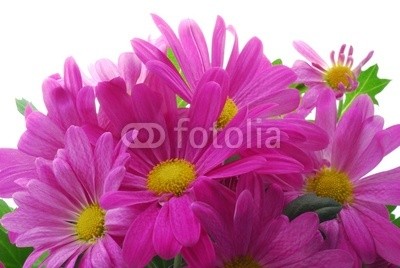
106,69
309,53
130,67
72,76
307,74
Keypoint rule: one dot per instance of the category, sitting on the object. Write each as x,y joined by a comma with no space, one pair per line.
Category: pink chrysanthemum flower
339,76
358,143
161,179
248,230
59,213
252,80
68,103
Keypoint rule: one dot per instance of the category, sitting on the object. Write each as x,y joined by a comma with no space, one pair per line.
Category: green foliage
171,56
11,256
277,62
21,105
157,262
180,102
369,83
326,208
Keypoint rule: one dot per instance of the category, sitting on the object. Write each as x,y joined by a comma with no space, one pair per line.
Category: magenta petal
85,103
146,52
138,249
202,254
113,250
358,234
326,112
33,257
309,53
218,43
238,167
99,256
164,241
177,48
126,198
72,76
389,138
185,225
332,258
195,45
246,65
385,234
245,213
78,147
172,79
383,188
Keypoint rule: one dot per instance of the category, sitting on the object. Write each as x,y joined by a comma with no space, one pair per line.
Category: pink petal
106,70
389,138
326,112
194,44
78,147
383,188
309,53
72,76
332,258
177,48
238,167
246,65
185,226
164,241
385,235
307,74
245,213
218,43
126,198
85,103
358,234
202,254
130,67
138,249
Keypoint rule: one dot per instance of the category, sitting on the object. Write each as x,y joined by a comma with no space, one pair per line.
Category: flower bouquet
184,154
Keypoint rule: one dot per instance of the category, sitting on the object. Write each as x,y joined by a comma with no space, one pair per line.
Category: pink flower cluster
212,191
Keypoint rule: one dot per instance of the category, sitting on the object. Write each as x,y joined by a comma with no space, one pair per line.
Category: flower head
60,212
358,143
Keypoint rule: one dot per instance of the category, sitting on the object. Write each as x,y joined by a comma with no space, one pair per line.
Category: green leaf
397,222
11,256
369,83
157,262
326,208
180,102
277,62
40,260
171,56
21,105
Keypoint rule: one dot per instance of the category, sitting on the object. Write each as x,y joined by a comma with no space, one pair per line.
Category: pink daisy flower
252,80
358,143
339,76
60,212
68,103
248,230
161,179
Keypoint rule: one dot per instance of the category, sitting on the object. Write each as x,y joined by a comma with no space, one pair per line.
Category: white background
36,37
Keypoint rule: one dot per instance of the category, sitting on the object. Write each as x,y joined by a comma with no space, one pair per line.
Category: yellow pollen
90,223
338,74
331,183
242,262
171,176
228,113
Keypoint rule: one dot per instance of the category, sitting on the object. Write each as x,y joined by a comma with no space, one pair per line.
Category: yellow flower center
90,223
171,176
331,183
228,113
338,74
242,262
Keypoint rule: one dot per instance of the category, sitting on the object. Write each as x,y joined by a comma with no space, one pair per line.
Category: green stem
340,109
178,261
